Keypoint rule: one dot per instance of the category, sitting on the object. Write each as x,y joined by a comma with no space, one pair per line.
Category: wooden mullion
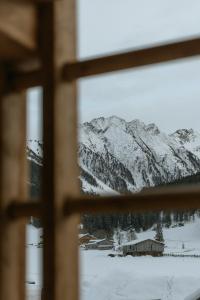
154,199
13,185
26,210
163,198
60,177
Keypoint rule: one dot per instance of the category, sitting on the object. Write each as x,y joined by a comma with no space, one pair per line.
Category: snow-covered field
34,257
137,278
189,235
132,278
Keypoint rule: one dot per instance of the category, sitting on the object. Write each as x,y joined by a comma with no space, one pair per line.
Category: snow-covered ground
137,278
131,278
189,235
34,259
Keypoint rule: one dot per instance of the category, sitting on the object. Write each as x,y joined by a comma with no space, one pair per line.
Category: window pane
140,129
141,126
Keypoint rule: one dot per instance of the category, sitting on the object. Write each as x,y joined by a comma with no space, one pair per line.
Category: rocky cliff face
116,156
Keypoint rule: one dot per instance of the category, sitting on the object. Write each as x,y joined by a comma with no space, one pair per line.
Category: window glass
141,129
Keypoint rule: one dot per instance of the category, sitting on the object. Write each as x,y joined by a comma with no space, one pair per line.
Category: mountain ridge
150,156
116,156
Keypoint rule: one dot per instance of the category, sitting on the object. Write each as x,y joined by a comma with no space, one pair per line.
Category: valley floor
137,278
133,278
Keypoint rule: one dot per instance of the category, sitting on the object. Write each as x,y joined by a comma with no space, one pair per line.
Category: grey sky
167,94
34,112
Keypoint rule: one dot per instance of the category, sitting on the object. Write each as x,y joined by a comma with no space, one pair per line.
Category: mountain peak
152,128
137,122
185,135
116,119
103,123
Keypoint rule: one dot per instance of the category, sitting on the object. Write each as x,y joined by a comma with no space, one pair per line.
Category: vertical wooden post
60,178
13,185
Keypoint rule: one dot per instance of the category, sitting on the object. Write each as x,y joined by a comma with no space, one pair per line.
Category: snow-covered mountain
127,156
116,156
35,151
190,139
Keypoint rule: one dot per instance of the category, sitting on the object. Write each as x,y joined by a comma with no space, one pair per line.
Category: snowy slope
190,139
176,237
35,151
95,186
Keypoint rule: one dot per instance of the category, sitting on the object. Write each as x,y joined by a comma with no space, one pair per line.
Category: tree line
138,221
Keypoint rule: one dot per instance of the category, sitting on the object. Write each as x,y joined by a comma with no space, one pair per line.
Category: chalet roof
93,242
135,242
81,235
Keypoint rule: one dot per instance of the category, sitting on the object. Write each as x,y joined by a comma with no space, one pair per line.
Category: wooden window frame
62,203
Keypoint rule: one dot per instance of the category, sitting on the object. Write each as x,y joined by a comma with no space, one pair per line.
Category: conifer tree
159,233
131,235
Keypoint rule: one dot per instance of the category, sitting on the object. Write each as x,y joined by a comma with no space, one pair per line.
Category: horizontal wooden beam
32,1
24,209
24,80
132,59
154,199
117,62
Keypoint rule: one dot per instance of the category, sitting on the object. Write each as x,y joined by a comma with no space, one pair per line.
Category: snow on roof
92,242
134,242
83,234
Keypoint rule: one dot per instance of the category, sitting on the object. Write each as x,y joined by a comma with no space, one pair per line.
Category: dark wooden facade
143,247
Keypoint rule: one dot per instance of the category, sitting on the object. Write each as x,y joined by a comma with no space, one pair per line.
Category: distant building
143,247
85,238
103,244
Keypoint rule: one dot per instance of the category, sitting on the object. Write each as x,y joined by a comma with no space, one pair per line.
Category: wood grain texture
60,151
18,29
13,185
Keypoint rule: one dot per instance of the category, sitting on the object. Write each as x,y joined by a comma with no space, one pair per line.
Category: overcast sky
167,94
